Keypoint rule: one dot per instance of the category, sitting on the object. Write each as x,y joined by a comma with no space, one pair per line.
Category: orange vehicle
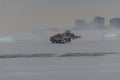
63,37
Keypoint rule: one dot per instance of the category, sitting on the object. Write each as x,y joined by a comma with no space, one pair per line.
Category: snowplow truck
63,37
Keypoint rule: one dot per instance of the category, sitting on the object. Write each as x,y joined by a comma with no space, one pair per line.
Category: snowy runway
77,68
21,59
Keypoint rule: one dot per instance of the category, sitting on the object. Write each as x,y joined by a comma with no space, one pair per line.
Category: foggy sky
24,14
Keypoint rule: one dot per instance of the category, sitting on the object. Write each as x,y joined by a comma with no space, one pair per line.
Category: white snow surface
61,68
38,42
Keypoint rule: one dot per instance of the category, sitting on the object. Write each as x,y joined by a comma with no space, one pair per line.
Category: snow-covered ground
60,68
77,68
38,42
